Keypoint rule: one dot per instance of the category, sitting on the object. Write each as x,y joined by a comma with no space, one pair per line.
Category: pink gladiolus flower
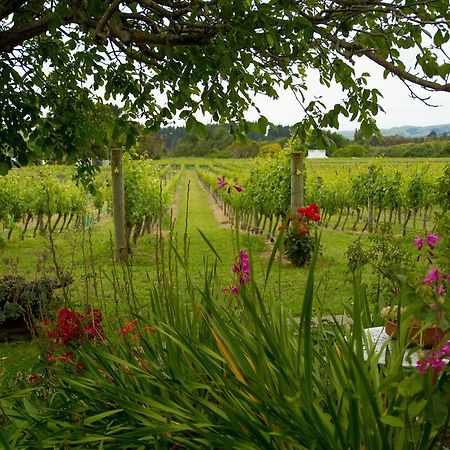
441,290
432,239
433,276
231,290
238,188
445,349
418,242
221,183
242,267
431,362
245,268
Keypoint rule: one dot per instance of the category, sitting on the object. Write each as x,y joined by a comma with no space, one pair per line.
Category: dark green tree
209,56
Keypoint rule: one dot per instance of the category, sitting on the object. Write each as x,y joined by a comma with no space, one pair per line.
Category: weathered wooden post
118,204
297,181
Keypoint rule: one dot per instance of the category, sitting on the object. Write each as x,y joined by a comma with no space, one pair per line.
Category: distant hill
408,131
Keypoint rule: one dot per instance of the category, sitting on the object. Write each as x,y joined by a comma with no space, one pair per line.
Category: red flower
80,367
280,228
66,357
311,212
129,327
304,231
34,378
149,328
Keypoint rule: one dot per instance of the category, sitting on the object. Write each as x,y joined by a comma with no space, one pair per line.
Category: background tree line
217,141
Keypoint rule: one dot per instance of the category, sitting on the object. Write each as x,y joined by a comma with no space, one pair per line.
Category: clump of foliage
299,243
70,330
27,299
386,259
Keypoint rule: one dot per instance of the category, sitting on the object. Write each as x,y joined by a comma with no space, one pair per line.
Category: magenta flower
221,183
444,350
433,276
245,267
431,361
242,268
238,188
418,242
231,290
432,239
441,290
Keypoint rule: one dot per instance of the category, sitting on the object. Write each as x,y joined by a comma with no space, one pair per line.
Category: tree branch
99,30
18,35
359,49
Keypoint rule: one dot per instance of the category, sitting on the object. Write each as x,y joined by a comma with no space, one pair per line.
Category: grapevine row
400,192
48,198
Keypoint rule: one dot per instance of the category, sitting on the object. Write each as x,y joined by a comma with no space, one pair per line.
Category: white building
317,154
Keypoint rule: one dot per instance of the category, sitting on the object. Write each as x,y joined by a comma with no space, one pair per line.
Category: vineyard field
409,194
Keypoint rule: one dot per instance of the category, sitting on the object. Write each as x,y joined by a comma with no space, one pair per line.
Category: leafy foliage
244,377
203,57
30,300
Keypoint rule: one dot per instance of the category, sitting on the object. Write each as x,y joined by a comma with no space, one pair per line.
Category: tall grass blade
275,249
208,242
305,331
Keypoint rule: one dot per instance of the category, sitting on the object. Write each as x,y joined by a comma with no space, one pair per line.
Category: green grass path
201,217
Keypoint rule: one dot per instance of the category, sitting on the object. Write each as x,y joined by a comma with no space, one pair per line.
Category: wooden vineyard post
118,204
297,181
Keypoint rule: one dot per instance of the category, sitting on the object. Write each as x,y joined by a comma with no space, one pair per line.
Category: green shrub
27,299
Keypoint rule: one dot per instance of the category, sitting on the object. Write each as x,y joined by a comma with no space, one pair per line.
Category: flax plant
242,375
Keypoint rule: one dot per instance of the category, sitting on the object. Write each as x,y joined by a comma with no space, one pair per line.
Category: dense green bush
27,300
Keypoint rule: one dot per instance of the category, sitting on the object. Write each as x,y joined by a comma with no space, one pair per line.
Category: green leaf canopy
59,58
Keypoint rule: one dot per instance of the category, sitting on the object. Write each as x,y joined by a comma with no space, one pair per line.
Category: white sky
400,109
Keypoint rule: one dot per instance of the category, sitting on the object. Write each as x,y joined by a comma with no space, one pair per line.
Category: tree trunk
358,217
47,224
64,223
377,220
137,231
391,215
128,229
148,224
27,222
346,218
56,222
269,233
263,225
341,211
407,217
39,224
70,220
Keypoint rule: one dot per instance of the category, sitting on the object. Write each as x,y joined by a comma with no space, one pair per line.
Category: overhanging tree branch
354,48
